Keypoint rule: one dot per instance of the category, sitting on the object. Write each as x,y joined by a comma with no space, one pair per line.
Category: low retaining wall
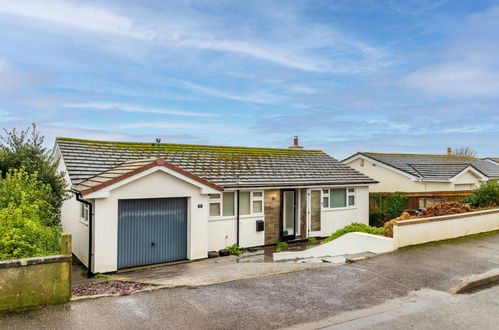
418,231
350,243
36,281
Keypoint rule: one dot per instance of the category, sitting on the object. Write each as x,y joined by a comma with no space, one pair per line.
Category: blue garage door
151,231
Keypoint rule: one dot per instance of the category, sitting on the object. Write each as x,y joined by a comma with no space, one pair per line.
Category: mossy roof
223,165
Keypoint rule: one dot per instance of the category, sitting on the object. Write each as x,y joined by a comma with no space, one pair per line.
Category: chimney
295,145
449,151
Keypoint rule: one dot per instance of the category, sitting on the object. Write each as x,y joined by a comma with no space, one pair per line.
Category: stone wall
36,281
272,206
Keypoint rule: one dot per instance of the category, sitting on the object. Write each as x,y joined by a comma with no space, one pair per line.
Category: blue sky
346,76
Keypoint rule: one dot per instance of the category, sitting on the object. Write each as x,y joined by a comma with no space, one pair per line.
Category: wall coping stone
34,261
444,217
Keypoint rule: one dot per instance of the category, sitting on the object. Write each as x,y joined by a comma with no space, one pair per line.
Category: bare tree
464,151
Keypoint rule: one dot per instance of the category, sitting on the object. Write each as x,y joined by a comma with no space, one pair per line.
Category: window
244,203
338,197
215,202
256,202
228,204
225,204
84,212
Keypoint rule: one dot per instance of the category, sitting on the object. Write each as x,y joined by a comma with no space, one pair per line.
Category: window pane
257,194
257,206
82,211
214,196
214,209
351,190
351,200
338,197
325,202
244,202
228,204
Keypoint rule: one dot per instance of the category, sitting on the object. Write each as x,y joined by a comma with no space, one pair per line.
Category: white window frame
215,201
84,213
254,199
348,194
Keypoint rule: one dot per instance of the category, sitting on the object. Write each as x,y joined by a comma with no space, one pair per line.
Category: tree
24,149
26,218
465,151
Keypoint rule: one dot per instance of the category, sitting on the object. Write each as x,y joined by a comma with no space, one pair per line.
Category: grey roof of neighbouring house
228,167
433,167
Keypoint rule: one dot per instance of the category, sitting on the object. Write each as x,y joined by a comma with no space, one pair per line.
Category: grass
355,227
234,249
103,276
451,241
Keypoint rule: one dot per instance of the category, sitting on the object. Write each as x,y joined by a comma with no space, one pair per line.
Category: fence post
66,244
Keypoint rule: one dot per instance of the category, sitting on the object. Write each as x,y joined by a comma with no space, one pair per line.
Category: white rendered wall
334,219
418,231
70,220
223,232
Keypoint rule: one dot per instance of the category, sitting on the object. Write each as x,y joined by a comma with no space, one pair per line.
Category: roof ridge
152,144
415,154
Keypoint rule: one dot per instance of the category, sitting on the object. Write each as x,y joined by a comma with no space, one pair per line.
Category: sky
344,76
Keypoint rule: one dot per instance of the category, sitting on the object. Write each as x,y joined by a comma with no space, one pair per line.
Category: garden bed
112,287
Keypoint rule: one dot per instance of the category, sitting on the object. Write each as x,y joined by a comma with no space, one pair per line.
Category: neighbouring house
414,173
492,159
148,203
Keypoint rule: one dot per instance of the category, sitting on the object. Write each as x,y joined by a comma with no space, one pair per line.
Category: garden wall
423,230
36,281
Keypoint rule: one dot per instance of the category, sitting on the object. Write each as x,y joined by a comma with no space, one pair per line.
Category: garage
151,231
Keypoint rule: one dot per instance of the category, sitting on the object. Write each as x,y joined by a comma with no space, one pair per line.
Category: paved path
279,300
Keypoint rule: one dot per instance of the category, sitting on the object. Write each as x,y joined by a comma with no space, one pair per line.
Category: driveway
303,297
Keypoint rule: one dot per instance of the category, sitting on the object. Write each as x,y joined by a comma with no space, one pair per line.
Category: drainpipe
90,226
237,217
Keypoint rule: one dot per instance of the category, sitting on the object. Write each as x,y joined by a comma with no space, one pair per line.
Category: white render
419,231
350,243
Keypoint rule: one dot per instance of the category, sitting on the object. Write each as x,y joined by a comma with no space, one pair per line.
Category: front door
314,212
288,215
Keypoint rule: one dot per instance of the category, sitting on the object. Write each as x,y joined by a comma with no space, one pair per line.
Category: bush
386,207
234,249
24,149
281,246
354,227
485,196
26,228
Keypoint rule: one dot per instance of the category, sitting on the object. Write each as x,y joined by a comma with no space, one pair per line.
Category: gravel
108,287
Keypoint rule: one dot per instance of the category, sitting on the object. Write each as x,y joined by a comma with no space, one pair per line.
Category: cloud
13,79
136,109
76,15
455,80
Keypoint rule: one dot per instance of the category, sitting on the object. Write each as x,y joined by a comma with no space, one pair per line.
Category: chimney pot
449,151
295,144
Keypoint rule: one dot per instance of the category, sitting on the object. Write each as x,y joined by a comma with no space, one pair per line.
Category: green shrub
234,249
355,227
386,207
281,246
312,240
24,149
26,218
485,196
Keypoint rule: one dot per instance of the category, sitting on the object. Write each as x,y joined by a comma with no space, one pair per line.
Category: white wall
418,231
223,232
155,185
334,219
70,220
350,243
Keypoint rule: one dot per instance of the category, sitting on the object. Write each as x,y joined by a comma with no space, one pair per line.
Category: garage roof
228,167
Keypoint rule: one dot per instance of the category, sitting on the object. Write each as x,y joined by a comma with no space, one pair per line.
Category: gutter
90,230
